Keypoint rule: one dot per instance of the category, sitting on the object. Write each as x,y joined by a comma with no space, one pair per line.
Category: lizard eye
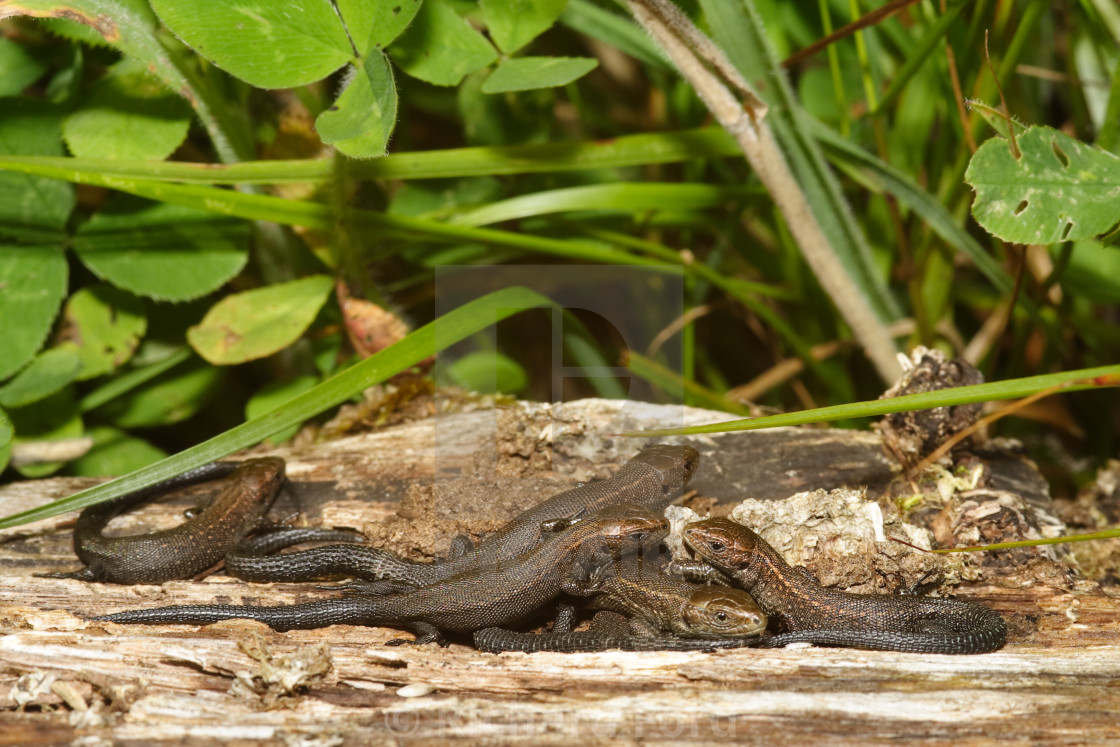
715,546
721,616
639,536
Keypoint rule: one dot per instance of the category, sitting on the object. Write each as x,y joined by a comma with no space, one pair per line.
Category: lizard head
723,543
674,464
265,474
719,612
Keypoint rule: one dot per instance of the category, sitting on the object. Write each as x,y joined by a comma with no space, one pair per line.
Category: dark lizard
188,549
805,611
653,478
479,598
665,614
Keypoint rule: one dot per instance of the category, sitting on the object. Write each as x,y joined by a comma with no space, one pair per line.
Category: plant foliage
195,195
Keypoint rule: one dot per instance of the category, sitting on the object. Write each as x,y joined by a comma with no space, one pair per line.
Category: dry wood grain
1057,681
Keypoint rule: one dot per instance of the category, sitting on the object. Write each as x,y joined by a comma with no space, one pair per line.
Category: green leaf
527,73
170,398
265,43
34,283
360,122
166,252
128,114
487,372
114,453
131,27
50,419
374,23
515,23
1087,378
440,47
421,344
32,208
102,325
259,322
18,68
48,373
1060,189
276,394
1093,272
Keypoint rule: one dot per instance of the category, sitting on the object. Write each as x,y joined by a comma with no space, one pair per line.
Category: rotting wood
1058,680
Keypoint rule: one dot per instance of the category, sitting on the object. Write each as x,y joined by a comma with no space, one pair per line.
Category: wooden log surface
413,486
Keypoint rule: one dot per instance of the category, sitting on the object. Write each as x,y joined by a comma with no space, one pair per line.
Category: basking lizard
665,614
185,550
805,611
479,598
652,479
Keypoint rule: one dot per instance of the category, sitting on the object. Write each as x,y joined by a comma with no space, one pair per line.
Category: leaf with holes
1058,190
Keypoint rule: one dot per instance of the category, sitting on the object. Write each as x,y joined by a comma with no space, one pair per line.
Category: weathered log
414,485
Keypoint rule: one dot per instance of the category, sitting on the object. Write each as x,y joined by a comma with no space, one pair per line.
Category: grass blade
417,346
630,150
737,28
885,177
1088,378
622,196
